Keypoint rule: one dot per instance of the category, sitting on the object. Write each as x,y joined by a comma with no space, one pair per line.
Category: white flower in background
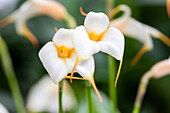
32,8
95,36
59,58
157,71
3,109
43,96
161,68
137,30
106,107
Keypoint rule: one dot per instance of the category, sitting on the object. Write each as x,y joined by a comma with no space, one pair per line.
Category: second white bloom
96,35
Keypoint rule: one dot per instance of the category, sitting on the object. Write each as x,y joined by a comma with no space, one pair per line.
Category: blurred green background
29,69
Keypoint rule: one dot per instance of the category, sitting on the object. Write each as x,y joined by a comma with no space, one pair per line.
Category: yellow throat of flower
96,37
64,52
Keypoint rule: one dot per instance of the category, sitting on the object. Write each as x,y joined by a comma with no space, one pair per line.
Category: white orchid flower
95,36
159,70
43,96
59,57
137,30
3,109
32,8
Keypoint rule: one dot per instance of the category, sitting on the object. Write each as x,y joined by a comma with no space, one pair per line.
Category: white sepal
54,65
113,43
96,22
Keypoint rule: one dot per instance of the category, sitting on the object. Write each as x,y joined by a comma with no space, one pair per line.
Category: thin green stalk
70,21
112,88
6,63
109,5
89,97
141,91
136,109
111,66
60,96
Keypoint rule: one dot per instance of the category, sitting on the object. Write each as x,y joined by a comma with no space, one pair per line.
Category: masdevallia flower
95,36
137,30
32,8
157,71
59,58
43,97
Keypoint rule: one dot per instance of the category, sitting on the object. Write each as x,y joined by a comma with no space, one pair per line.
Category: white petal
28,10
52,63
85,68
51,8
25,12
43,96
3,109
137,31
70,62
113,43
40,93
83,45
64,37
96,22
161,68
133,29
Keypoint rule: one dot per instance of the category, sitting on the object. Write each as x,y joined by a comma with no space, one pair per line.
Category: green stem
136,109
70,21
141,91
89,97
6,63
109,5
112,88
60,96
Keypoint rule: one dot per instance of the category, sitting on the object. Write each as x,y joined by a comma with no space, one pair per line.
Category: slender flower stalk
6,63
70,21
141,91
89,97
109,5
60,96
111,68
157,71
112,89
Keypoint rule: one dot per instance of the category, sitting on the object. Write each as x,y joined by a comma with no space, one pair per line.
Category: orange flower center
96,37
64,52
